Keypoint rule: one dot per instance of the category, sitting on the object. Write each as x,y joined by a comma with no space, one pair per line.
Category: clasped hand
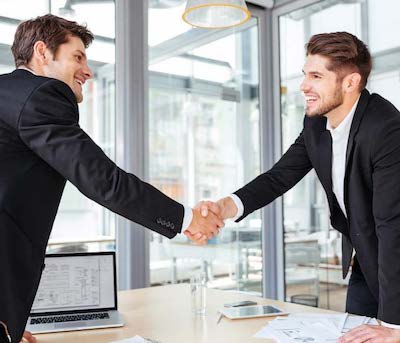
208,219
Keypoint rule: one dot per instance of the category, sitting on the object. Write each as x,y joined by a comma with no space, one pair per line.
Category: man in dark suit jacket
42,146
352,140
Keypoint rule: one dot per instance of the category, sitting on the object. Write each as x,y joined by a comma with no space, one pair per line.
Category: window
204,142
80,224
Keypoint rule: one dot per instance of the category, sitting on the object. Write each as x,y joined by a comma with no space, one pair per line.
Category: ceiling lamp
216,14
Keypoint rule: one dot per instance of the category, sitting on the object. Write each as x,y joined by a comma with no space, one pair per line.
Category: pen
219,317
344,322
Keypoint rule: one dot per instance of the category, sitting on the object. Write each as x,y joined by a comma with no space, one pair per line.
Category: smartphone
241,303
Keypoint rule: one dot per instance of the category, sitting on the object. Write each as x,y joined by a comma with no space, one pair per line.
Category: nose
87,72
305,85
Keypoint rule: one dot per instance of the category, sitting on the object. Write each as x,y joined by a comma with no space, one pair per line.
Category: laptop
76,292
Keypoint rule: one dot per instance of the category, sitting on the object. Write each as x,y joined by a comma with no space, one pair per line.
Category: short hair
345,52
50,29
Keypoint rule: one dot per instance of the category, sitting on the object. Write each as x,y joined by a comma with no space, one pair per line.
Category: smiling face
69,65
322,88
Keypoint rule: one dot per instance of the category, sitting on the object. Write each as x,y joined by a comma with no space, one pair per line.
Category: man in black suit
42,146
352,140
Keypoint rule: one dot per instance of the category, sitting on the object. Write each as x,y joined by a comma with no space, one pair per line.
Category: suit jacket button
172,226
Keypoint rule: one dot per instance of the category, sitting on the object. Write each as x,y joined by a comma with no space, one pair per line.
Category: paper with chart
69,284
308,328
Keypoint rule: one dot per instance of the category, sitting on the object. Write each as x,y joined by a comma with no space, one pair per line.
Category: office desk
164,314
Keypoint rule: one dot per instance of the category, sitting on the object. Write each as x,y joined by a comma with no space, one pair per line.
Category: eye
78,58
316,76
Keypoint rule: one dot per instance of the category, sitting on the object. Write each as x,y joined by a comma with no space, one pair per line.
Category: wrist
229,208
194,220
396,333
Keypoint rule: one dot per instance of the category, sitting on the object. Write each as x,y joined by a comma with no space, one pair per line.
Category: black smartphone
241,303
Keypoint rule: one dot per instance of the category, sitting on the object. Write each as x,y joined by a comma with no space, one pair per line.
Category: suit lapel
358,115
325,162
362,104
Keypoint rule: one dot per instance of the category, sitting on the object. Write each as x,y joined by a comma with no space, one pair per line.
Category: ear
351,82
40,52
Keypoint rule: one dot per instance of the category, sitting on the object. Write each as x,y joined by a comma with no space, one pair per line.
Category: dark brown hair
345,52
51,30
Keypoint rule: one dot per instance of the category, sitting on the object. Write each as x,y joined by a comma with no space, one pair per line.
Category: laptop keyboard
70,318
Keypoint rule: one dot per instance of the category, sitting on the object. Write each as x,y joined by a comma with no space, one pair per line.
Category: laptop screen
79,282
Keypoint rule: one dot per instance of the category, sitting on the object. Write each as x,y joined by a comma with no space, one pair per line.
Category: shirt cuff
239,205
391,326
187,218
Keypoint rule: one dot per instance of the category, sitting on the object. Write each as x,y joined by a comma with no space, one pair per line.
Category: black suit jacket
42,146
371,192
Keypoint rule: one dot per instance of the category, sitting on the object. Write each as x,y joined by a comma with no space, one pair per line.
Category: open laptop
76,292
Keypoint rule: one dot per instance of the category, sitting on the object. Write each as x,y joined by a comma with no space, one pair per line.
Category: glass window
22,9
383,21
204,142
80,224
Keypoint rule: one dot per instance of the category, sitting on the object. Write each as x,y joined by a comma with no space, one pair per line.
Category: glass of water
198,293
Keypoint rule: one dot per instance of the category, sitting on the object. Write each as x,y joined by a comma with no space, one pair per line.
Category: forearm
286,173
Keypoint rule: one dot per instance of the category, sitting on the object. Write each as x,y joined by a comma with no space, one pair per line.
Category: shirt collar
27,69
344,126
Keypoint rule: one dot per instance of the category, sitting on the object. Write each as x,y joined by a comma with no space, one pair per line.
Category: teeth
310,98
80,82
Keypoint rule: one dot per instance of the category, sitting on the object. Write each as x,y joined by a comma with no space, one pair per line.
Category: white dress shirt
187,218
340,137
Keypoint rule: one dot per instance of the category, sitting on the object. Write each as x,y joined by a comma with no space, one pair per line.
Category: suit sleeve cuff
187,218
391,326
239,206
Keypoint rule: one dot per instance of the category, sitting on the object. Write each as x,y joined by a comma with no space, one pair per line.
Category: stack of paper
307,327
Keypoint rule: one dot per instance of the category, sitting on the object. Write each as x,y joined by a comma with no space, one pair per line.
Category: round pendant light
216,14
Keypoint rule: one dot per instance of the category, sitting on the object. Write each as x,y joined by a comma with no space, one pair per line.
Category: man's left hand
371,334
28,338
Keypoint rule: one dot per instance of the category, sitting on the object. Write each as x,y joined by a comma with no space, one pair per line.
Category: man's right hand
203,227
225,208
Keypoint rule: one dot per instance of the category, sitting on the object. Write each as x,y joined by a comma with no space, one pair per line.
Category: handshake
208,219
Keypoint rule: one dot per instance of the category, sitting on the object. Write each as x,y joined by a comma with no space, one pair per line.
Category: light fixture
216,14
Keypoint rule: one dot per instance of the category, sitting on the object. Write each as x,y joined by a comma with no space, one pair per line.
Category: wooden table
164,314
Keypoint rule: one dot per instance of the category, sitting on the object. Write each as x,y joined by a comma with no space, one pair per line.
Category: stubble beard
333,103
